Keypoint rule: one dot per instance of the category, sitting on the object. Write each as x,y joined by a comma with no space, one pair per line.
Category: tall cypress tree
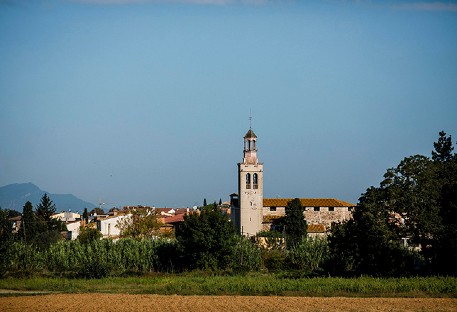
86,216
295,223
29,226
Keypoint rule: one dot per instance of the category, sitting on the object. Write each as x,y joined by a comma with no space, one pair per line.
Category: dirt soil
124,302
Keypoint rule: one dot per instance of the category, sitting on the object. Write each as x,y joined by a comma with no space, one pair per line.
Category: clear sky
147,102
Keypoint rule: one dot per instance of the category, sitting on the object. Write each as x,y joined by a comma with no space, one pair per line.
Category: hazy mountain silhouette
14,196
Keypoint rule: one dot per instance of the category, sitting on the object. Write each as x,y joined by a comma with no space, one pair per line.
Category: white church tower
247,209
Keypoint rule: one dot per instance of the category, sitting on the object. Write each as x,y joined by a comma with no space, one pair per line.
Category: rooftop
250,135
307,202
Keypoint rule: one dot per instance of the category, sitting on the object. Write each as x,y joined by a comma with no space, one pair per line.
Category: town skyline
147,102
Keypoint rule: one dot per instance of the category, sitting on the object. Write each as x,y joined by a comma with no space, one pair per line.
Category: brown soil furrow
175,303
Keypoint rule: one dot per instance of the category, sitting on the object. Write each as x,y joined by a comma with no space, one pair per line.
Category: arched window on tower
248,180
255,181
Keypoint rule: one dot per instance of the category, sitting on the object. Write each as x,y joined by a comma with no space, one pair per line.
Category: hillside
14,196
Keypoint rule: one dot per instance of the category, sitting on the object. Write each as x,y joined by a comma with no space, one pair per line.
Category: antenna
250,118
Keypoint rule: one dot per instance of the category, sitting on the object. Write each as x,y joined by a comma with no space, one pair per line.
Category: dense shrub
206,239
273,259
96,259
309,256
246,255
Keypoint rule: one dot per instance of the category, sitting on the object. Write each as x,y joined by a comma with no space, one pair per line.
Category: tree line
405,226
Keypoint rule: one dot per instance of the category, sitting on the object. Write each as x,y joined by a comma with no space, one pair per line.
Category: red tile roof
174,219
307,202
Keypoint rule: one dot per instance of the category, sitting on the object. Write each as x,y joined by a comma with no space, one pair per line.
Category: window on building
272,208
255,181
248,180
317,208
331,208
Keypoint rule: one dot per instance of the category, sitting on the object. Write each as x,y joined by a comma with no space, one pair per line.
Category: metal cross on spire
250,119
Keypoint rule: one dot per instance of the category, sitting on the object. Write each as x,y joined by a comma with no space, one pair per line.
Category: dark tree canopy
206,239
29,224
86,216
443,148
6,227
44,211
45,208
39,229
6,238
87,235
295,223
415,203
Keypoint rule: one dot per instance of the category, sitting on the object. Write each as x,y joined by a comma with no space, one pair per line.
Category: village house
66,216
73,228
109,226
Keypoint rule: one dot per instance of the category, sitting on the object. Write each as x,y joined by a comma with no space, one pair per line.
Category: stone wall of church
324,215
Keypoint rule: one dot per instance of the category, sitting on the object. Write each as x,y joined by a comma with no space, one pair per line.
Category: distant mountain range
14,196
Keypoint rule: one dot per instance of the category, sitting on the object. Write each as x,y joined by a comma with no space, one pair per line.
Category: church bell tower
247,211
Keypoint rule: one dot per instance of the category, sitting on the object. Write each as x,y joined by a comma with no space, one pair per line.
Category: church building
252,213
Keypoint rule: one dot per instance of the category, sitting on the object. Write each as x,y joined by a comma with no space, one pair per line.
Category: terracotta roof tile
307,202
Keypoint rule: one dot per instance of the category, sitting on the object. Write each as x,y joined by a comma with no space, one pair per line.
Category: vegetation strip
255,285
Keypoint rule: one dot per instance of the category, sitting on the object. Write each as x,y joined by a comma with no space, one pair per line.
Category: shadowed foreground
124,302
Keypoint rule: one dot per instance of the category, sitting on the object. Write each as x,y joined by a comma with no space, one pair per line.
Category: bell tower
248,216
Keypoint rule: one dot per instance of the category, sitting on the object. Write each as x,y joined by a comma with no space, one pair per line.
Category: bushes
246,256
100,258
308,256
95,259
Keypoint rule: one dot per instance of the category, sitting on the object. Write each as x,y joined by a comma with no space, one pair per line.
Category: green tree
295,223
369,243
443,148
44,211
86,216
29,225
87,235
143,223
6,239
46,208
445,241
417,202
204,202
412,192
49,228
206,239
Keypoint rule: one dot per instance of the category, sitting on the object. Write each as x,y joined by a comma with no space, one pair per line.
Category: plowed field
124,302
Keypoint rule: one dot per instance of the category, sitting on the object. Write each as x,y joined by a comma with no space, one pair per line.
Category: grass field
251,284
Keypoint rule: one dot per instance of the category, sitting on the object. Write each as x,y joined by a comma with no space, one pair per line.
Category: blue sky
147,102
